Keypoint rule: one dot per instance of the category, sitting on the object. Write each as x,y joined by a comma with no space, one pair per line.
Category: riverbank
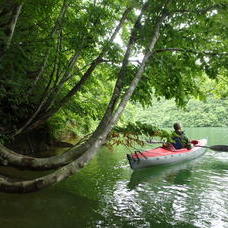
40,142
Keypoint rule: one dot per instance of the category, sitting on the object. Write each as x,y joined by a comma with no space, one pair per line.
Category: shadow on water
52,208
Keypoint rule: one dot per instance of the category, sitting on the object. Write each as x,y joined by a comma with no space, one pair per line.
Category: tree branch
190,51
9,157
203,10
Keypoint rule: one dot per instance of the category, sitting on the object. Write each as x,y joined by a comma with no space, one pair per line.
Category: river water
107,193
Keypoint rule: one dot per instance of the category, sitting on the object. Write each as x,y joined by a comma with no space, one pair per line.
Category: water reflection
181,195
176,173
108,194
54,207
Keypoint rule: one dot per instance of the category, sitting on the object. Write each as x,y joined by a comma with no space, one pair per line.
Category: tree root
11,185
9,157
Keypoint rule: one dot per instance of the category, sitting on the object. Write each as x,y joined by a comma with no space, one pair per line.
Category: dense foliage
210,113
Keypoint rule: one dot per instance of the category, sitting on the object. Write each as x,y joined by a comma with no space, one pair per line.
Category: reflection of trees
155,174
53,208
102,173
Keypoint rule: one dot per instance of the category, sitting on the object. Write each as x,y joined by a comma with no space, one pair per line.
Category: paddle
153,142
221,148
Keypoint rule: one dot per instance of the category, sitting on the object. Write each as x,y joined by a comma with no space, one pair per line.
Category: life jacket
178,144
179,140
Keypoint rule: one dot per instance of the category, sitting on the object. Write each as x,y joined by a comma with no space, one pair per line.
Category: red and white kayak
162,156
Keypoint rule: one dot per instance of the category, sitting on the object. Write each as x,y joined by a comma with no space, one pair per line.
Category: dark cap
177,126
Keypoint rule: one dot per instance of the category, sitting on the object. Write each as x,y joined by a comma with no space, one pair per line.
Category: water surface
107,193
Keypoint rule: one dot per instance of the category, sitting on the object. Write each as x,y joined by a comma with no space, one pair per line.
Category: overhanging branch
208,52
203,10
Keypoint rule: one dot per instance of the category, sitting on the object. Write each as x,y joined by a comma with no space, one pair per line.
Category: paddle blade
222,148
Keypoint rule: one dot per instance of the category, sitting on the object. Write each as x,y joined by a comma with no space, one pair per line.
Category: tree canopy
62,56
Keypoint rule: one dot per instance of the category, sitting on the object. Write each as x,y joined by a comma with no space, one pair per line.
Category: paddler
180,140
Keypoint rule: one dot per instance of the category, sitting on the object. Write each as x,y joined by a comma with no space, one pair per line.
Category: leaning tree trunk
119,84
11,185
9,157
